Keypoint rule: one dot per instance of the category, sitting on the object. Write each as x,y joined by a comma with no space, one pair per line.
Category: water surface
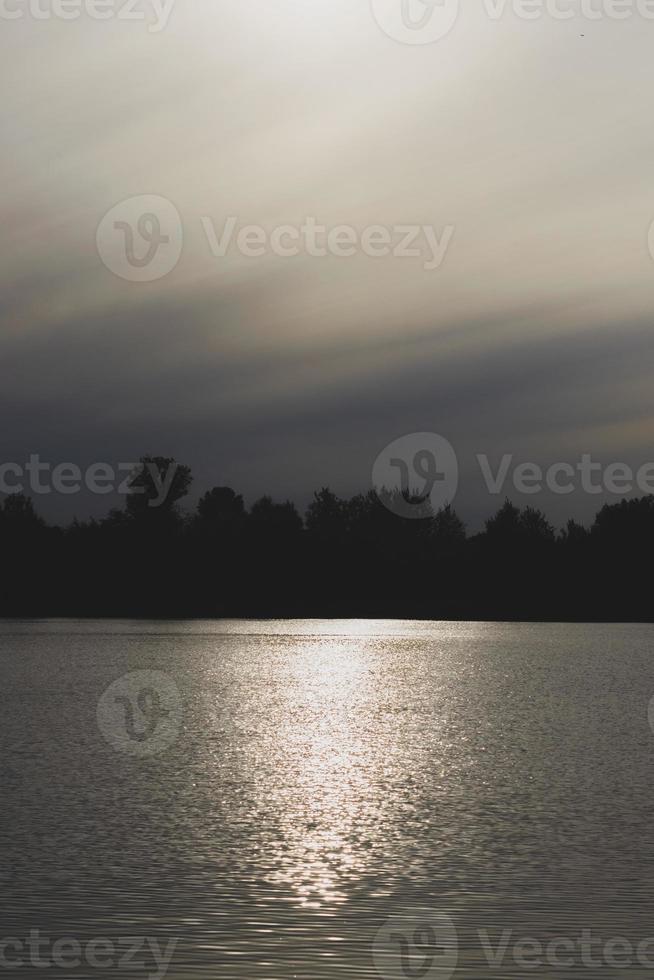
325,777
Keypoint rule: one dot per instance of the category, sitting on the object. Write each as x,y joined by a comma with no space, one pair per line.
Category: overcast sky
531,143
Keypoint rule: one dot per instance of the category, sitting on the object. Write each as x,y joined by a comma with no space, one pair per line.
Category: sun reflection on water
324,793
330,742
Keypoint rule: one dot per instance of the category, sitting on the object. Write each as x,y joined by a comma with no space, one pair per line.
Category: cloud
283,374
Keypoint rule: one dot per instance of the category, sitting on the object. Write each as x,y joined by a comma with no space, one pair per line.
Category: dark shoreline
344,558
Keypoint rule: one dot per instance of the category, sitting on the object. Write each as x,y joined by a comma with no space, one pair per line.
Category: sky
523,145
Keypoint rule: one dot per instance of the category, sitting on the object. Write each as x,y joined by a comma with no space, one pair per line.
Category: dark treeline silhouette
345,558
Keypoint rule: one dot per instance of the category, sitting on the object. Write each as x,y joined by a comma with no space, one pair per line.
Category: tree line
344,558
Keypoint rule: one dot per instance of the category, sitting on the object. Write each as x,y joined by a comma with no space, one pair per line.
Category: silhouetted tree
221,506
447,529
326,516
504,526
350,557
574,534
157,486
17,514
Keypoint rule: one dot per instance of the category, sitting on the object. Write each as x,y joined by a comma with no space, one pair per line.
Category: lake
322,799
